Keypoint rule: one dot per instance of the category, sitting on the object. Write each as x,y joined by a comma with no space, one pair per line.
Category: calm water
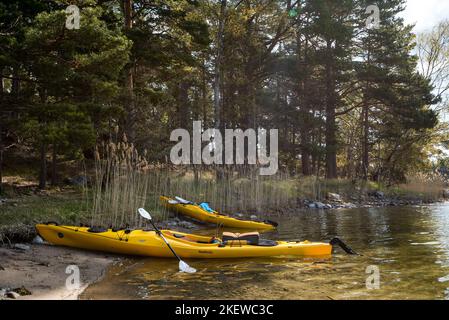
410,246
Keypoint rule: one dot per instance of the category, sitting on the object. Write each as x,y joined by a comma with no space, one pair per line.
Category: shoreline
26,232
41,270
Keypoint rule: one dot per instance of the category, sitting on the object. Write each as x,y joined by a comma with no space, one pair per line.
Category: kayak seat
251,238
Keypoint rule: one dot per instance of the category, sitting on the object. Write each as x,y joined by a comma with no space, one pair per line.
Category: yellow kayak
149,243
194,211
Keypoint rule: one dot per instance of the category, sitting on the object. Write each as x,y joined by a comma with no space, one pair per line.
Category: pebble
186,224
21,246
38,240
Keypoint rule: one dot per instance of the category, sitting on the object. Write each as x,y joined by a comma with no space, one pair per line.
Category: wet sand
42,270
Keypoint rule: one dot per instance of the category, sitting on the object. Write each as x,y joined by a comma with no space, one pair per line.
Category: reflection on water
409,245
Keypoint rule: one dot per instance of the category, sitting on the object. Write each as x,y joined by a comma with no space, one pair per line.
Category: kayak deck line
149,243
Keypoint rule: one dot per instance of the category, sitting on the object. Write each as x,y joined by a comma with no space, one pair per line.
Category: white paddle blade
184,267
183,201
171,201
144,213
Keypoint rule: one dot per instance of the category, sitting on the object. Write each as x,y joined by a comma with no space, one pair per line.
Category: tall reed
124,181
120,185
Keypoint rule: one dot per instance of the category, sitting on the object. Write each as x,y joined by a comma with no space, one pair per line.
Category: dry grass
120,186
124,182
428,187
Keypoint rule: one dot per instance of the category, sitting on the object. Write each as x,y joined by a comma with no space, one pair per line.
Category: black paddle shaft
166,242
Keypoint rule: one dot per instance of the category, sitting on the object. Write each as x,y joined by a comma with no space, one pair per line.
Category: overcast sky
426,13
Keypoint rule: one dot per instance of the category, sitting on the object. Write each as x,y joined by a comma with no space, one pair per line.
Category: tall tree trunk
218,101
218,63
15,83
365,144
204,100
1,156
1,134
130,125
302,52
331,136
54,160
43,166
365,123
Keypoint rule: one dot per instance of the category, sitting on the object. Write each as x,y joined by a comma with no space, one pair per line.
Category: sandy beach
42,270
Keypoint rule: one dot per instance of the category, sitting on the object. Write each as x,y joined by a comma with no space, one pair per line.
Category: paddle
179,200
183,267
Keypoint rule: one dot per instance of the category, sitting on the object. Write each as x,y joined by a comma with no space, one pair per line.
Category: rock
377,194
334,197
172,223
329,206
77,181
21,246
3,293
320,205
446,193
12,295
253,217
239,215
22,291
2,201
186,224
38,240
1,268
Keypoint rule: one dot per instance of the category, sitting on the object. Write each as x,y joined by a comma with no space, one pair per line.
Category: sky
425,13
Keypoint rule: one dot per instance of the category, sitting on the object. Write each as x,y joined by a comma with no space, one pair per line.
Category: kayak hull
197,213
148,243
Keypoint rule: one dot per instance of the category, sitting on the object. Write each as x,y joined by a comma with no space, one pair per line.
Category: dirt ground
42,270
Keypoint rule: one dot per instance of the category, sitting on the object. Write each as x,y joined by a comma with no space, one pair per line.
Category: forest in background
350,101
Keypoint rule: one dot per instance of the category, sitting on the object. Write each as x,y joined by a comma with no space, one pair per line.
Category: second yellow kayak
194,211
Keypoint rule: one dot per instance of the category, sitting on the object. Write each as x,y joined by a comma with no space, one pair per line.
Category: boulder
334,197
253,217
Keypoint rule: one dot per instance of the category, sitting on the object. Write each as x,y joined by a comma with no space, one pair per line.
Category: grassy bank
20,212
